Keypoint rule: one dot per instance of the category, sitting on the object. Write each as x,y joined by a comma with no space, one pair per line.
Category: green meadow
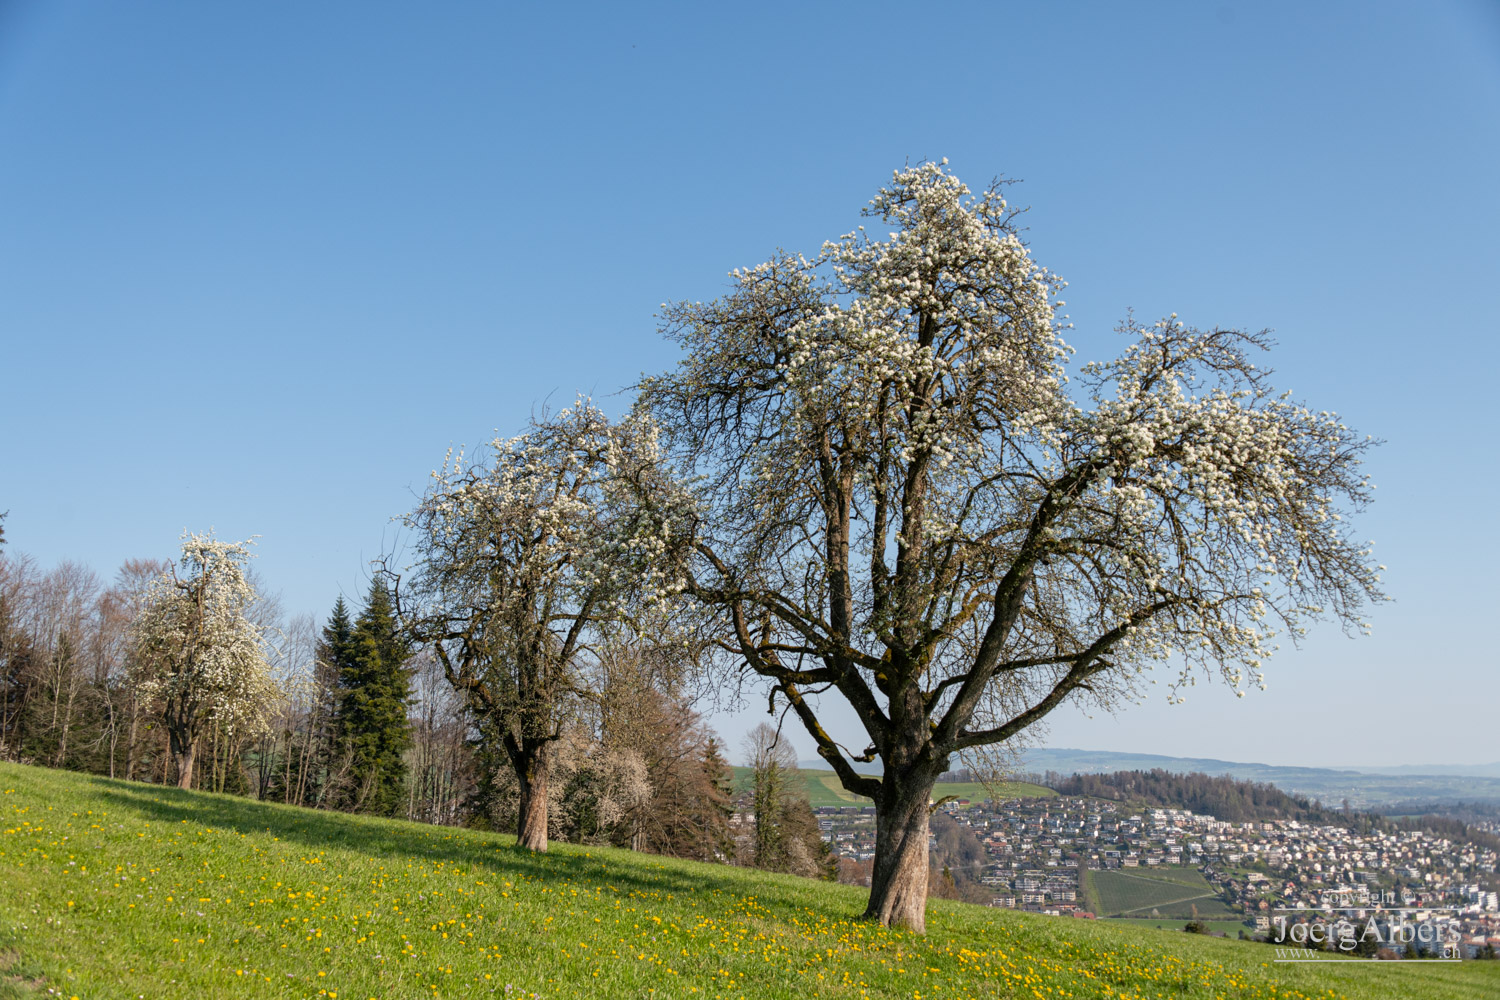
1168,891
111,889
1229,927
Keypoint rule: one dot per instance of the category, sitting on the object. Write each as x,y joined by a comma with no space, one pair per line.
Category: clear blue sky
260,264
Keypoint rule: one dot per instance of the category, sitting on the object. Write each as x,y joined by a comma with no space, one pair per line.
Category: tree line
1220,796
111,678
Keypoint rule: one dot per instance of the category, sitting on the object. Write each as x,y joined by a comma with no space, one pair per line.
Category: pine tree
373,729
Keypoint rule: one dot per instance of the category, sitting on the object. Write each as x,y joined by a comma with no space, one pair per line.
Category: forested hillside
1242,801
1222,796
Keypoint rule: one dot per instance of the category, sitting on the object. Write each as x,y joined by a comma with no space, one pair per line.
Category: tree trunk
531,771
67,726
114,730
898,884
183,750
131,748
184,768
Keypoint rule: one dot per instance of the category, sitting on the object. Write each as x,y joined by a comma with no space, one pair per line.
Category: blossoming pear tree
198,652
526,558
905,502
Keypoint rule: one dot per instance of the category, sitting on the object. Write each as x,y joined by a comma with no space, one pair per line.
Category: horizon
1130,753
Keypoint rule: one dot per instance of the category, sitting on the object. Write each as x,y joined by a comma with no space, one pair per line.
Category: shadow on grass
397,840
19,978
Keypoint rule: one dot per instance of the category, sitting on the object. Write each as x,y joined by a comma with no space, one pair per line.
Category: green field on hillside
1230,928
1167,891
823,789
115,890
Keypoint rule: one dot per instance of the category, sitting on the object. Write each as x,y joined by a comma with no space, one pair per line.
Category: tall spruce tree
374,731
320,773
717,803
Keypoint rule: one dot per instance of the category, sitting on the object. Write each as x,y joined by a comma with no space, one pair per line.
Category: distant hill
824,789
822,765
1219,796
1236,801
1371,788
1456,770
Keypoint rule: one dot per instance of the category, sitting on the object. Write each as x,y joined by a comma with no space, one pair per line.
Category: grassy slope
110,889
1232,928
823,789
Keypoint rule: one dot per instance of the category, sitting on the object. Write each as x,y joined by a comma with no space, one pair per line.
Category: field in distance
1170,891
823,789
112,889
1229,928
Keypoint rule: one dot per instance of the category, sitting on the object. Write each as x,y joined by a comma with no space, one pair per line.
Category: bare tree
283,747
904,505
784,836
774,763
62,610
440,764
123,603
650,775
18,653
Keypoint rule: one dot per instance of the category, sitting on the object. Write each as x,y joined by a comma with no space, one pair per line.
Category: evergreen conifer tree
717,802
320,774
373,729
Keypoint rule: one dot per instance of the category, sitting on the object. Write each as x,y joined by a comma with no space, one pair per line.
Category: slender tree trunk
531,770
131,747
898,884
67,726
286,784
114,731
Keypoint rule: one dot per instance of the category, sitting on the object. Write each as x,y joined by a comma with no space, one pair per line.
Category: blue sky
260,265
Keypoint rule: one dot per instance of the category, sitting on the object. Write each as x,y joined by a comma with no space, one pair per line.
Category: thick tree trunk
898,884
531,825
184,768
183,749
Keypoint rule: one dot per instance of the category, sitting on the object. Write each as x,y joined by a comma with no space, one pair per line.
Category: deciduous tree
773,766
197,651
523,555
905,503
786,837
637,715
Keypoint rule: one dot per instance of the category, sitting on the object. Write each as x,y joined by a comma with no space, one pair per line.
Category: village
1037,850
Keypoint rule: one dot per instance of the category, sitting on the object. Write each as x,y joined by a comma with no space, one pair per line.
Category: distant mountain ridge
1373,787
1085,761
